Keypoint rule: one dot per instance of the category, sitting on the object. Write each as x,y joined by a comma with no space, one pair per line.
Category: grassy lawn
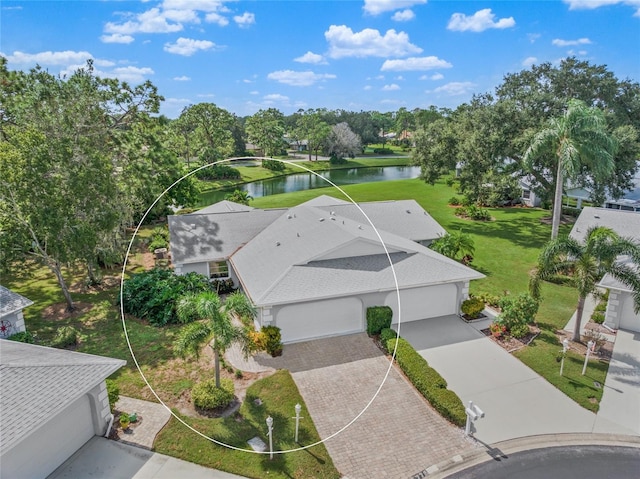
506,251
279,395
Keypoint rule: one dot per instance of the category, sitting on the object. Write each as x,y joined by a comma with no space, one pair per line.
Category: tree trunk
216,362
55,267
94,279
576,329
557,205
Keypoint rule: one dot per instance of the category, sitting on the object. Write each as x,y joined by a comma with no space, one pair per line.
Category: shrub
601,306
450,181
113,392
272,340
454,201
336,160
23,337
449,405
472,307
378,318
519,331
597,317
569,211
386,334
520,309
383,151
497,329
492,300
223,286
65,336
273,165
478,214
218,172
206,395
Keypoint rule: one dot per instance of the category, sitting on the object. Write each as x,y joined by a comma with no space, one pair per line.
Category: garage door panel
304,321
422,303
629,320
39,454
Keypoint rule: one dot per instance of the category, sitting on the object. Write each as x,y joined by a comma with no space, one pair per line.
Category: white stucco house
11,317
314,269
53,401
620,310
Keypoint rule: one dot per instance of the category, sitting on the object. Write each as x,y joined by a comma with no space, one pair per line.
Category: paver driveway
398,436
517,401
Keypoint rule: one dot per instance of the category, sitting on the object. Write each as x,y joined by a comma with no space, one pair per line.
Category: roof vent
277,243
192,226
289,217
321,220
332,213
408,211
332,218
596,216
298,235
359,227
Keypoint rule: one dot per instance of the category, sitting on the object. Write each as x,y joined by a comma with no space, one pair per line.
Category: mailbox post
473,414
565,346
270,433
298,408
590,346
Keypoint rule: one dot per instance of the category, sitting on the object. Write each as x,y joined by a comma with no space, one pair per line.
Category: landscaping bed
509,343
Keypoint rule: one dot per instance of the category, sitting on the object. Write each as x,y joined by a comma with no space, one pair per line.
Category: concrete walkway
102,458
620,406
517,401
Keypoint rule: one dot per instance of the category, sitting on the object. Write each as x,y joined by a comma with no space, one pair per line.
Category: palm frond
191,338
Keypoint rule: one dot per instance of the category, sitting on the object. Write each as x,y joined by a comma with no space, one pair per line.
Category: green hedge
206,395
378,318
428,381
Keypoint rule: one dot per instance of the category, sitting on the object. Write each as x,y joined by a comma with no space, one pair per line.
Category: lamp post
565,346
298,408
590,345
270,434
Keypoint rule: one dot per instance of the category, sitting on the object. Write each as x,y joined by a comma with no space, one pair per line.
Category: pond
309,181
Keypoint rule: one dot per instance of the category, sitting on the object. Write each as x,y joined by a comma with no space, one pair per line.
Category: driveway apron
398,435
517,401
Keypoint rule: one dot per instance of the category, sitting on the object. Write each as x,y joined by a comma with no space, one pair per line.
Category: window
526,194
218,269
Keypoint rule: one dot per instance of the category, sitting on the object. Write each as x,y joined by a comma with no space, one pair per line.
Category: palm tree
577,139
239,196
586,263
455,244
215,321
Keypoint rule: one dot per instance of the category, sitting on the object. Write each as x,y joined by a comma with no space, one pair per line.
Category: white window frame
214,273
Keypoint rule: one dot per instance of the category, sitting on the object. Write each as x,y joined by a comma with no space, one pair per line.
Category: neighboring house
624,204
11,318
579,194
620,311
53,401
528,195
253,150
314,269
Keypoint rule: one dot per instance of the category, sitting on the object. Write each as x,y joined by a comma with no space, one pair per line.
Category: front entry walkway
398,436
517,401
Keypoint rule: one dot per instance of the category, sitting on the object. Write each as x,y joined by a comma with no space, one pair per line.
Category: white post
590,345
298,408
270,433
467,427
565,346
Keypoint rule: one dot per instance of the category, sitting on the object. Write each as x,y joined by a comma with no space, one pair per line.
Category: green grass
279,395
506,250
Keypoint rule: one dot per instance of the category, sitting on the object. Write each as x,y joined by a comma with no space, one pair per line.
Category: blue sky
355,55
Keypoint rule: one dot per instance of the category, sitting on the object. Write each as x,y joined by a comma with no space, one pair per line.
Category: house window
526,194
218,269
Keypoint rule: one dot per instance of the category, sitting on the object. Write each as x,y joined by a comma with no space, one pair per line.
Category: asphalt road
575,462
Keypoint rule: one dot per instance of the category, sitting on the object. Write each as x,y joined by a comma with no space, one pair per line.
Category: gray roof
287,261
38,382
197,238
11,302
224,206
325,200
625,223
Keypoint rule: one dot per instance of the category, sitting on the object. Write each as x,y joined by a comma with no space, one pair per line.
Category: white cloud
311,57
456,88
399,78
375,7
478,22
206,95
202,5
128,74
294,78
216,18
343,42
187,46
533,37
254,92
182,101
151,21
527,62
182,78
367,87
245,19
12,8
558,42
434,77
276,97
415,64
592,4
403,16
116,38
391,87
66,57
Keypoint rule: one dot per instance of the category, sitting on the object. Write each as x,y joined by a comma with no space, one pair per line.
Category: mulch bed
603,352
513,344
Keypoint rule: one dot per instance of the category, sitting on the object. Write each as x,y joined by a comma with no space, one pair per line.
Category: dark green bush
492,300
23,337
601,306
113,393
598,317
206,395
223,286
65,336
450,181
449,405
454,201
273,340
517,309
218,172
472,307
386,334
273,165
383,151
519,331
378,318
569,211
153,294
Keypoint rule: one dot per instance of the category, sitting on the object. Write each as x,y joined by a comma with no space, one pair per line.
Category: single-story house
314,269
620,309
528,195
11,317
53,401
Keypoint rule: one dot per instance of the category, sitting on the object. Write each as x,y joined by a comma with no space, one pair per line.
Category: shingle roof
325,200
224,206
37,382
11,302
625,223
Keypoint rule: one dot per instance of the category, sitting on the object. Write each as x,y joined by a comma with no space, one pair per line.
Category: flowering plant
497,330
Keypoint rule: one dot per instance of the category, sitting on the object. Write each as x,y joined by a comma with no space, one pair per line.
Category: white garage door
629,320
54,442
299,322
422,303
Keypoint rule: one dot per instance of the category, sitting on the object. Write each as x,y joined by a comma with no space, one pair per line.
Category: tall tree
266,129
586,263
214,326
576,140
212,130
315,130
343,142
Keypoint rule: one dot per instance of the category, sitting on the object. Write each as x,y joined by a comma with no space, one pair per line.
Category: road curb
502,450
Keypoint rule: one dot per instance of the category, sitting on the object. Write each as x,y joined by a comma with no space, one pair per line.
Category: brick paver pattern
397,437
